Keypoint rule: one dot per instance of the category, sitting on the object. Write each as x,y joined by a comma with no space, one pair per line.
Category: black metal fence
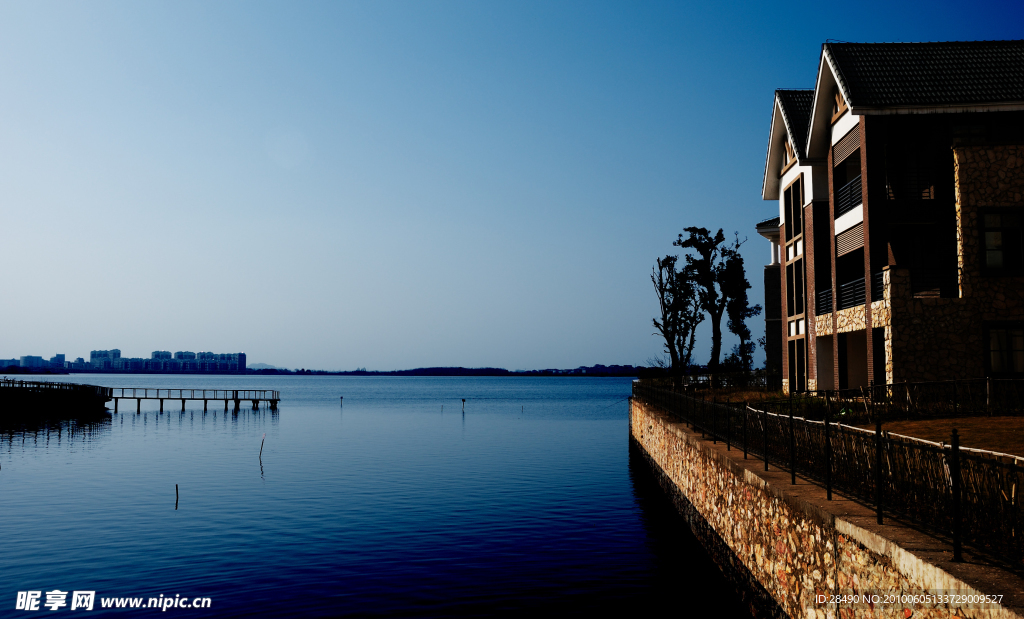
823,302
951,398
967,495
848,196
850,294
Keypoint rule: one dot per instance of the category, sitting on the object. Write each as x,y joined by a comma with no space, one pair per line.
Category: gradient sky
392,184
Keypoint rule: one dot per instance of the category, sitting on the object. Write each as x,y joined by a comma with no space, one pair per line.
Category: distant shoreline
592,371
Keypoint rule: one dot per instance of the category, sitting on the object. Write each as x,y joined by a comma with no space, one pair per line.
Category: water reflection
64,431
54,432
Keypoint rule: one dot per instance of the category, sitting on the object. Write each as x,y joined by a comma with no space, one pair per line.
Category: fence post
792,443
714,420
744,430
878,468
703,417
764,434
954,472
828,449
988,395
954,398
728,426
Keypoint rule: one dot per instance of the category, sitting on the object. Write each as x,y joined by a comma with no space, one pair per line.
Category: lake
395,504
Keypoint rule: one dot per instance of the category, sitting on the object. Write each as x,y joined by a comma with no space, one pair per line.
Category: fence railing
848,197
823,302
195,394
851,294
951,398
970,496
55,387
877,286
942,283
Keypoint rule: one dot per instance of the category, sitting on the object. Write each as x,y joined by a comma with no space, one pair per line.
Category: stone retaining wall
780,550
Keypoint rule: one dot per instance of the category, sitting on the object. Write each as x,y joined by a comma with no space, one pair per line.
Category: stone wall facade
851,319
780,550
941,338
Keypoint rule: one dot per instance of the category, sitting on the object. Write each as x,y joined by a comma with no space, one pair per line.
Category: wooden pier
25,397
227,395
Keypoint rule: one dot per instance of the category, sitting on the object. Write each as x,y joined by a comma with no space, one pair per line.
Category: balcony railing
877,286
934,283
848,197
851,294
823,302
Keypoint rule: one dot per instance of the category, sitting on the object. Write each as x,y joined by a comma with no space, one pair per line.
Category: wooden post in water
161,405
138,405
115,405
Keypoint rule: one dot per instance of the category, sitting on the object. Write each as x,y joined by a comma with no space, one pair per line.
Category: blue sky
391,184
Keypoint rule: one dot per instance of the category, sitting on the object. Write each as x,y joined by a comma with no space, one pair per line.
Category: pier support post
161,405
273,405
115,405
225,406
204,405
238,405
138,405
255,404
183,405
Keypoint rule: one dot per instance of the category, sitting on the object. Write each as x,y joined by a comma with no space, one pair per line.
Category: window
792,204
1001,239
1006,350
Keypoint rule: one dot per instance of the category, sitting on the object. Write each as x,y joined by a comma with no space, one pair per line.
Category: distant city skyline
393,185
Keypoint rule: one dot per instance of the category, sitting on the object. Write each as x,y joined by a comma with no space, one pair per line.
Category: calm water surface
396,504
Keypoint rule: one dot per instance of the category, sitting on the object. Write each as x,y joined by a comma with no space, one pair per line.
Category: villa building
898,245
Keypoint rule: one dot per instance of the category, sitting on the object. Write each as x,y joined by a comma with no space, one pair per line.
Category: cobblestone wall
942,339
779,550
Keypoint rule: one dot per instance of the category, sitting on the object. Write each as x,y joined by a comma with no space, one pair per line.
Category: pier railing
969,496
195,394
54,387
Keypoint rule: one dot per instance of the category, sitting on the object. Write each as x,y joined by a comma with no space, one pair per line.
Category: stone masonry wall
786,549
941,339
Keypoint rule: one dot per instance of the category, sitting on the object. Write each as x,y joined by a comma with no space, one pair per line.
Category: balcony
848,197
935,283
851,294
877,286
823,302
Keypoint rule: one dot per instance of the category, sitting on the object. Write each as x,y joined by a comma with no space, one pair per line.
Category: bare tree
734,287
708,269
663,277
680,311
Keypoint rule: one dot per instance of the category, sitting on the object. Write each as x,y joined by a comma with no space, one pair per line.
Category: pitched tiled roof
796,108
769,223
927,74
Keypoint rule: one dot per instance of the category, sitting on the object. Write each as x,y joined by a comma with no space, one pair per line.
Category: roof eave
888,110
767,183
829,62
